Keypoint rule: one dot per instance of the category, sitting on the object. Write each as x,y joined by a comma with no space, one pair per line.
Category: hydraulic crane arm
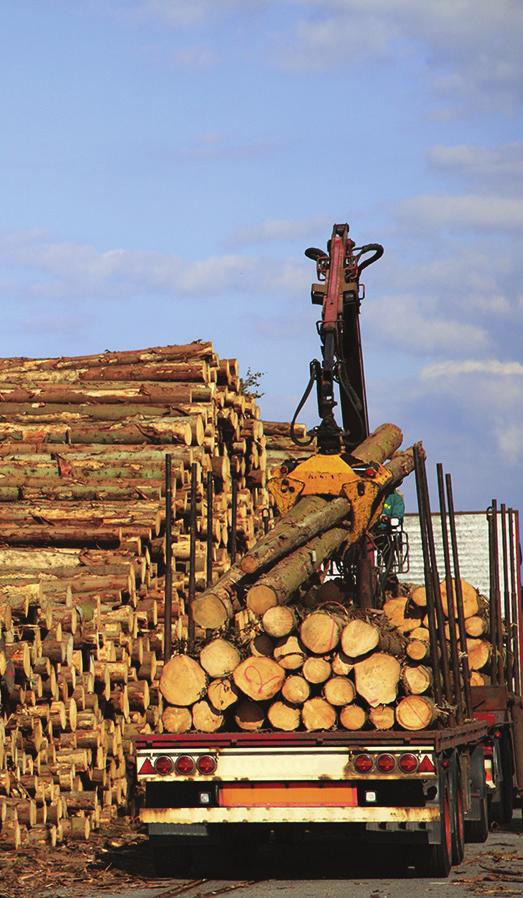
340,293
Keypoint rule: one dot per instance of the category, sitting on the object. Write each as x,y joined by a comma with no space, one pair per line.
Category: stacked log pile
82,557
284,648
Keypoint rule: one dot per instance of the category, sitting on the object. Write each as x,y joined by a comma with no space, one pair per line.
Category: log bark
312,515
282,581
379,445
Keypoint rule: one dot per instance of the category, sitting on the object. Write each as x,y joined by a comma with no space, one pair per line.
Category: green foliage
250,384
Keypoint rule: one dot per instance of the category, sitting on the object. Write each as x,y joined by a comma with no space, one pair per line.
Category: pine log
416,712
382,717
214,607
219,658
262,644
415,679
222,693
395,610
183,681
283,716
320,631
296,690
353,717
341,664
278,621
479,652
282,581
339,691
417,649
316,670
176,720
289,653
477,625
249,715
259,678
377,678
379,445
312,515
205,718
471,604
317,714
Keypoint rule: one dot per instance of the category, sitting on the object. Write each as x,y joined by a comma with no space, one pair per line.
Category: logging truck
311,706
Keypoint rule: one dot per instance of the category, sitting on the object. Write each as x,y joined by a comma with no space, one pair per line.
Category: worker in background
386,540
393,507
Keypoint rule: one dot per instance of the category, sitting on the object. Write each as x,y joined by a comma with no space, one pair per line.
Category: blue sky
164,164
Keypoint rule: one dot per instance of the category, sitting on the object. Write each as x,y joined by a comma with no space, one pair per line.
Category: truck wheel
169,860
477,830
502,803
435,860
458,822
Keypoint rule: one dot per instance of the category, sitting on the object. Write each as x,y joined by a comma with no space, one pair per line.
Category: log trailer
428,790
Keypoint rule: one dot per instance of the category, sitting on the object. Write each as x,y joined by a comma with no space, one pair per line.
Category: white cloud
473,211
44,268
402,322
280,229
196,56
502,165
471,366
469,47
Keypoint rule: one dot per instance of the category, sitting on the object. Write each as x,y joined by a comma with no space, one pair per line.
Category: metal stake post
509,659
454,655
514,601
497,595
168,595
438,604
210,497
234,515
519,596
459,597
192,552
429,583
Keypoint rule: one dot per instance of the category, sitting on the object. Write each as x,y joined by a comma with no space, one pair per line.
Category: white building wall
472,535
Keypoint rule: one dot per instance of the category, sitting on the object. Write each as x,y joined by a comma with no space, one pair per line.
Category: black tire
502,803
458,822
477,830
436,860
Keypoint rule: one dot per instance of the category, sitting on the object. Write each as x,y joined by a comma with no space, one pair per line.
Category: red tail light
363,763
184,765
408,763
386,763
206,765
163,765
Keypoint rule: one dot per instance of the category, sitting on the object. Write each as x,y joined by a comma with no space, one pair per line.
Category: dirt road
493,869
